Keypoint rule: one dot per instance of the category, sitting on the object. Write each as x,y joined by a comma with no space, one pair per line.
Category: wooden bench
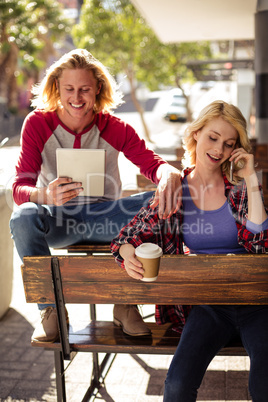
95,278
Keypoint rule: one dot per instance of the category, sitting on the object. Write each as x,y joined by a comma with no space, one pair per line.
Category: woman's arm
256,210
247,205
144,227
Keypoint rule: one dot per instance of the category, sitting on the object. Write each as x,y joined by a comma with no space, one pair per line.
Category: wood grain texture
104,336
202,279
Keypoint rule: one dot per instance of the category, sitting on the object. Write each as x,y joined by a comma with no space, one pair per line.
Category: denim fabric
36,228
207,330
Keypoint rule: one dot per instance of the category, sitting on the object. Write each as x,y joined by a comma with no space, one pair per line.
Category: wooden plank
261,151
88,248
144,183
144,293
105,337
207,268
206,279
180,153
177,163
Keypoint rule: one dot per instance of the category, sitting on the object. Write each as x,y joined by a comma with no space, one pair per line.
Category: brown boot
128,317
48,329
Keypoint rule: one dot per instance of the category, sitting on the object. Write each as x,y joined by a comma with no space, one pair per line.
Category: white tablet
83,165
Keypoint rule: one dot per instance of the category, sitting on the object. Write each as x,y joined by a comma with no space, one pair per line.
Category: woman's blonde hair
46,94
229,113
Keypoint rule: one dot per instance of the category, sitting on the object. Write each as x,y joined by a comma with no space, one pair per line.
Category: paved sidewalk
27,374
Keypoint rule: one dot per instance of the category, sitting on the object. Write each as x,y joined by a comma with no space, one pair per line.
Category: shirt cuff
254,228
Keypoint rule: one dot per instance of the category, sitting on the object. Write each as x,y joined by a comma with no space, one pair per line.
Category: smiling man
73,106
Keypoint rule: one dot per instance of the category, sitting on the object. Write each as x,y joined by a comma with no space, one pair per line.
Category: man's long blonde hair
229,113
46,94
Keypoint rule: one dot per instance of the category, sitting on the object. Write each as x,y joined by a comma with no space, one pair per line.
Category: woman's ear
195,135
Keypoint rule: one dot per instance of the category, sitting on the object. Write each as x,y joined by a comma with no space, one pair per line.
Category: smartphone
232,171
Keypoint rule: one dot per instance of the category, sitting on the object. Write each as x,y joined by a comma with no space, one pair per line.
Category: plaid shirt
147,227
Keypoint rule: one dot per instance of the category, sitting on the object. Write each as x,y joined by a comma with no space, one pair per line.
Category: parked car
177,111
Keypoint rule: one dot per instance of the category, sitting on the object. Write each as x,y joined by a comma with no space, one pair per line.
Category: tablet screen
83,165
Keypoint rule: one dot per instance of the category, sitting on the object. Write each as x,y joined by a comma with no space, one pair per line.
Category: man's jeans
206,331
36,228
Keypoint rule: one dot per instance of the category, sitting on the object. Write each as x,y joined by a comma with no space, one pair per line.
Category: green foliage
26,22
178,55
116,34
26,27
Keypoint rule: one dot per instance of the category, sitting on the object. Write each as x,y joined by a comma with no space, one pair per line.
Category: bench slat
105,337
173,267
206,279
145,293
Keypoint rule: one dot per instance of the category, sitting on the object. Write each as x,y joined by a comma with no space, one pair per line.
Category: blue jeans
36,228
207,330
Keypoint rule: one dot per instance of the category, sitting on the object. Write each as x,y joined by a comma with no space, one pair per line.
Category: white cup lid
148,250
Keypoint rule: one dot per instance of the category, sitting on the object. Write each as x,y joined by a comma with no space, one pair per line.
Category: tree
177,56
117,35
26,28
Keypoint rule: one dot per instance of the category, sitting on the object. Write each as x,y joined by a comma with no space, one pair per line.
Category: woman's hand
169,191
239,154
132,265
256,210
62,190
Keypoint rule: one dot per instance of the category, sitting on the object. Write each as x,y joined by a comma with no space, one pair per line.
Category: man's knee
25,216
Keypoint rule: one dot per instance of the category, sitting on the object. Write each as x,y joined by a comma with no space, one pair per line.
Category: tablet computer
83,165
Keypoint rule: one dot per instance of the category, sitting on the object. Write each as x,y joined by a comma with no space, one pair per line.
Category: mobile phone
232,171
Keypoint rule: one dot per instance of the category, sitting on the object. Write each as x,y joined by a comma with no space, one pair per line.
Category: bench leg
60,376
99,373
92,312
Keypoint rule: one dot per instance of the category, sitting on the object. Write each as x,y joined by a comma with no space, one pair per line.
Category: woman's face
215,142
78,90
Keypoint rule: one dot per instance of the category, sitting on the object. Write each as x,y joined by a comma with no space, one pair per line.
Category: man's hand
62,190
169,191
58,192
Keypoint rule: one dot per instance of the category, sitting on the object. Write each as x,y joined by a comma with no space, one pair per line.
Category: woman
217,216
73,106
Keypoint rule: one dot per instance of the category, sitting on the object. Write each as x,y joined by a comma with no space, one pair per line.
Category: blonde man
73,106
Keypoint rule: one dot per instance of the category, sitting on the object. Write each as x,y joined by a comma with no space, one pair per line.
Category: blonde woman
218,216
73,109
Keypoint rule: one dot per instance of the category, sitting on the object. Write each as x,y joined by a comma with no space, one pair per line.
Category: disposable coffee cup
149,255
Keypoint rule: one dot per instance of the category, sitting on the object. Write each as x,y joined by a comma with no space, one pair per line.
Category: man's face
78,90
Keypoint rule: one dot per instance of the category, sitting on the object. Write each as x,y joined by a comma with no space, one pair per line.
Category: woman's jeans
36,228
207,330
